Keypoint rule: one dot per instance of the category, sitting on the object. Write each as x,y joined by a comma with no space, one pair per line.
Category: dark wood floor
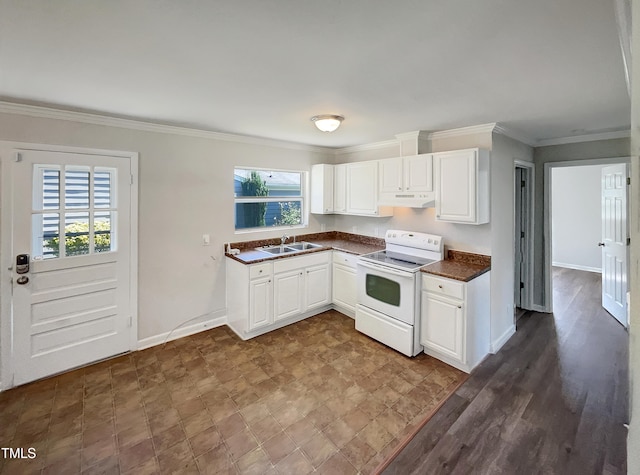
552,401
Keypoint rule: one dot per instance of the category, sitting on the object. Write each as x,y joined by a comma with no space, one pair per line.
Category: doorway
523,237
586,227
69,244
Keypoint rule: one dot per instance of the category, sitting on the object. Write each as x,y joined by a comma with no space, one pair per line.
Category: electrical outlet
206,240
323,227
354,229
375,231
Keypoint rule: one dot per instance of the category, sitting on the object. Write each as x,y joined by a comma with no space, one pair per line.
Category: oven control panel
416,240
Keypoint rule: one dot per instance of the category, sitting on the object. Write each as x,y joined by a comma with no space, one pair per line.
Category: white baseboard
497,344
216,319
577,267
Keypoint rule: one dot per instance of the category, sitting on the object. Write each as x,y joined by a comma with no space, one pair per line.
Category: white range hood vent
408,200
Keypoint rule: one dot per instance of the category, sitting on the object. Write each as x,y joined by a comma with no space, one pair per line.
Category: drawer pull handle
459,306
439,286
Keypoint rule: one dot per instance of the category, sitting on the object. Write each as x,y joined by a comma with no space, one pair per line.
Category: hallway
553,400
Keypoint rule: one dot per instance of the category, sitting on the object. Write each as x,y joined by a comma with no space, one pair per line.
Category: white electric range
388,289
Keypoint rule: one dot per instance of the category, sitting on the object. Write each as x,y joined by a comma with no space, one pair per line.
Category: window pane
46,188
102,189
46,236
77,188
250,215
102,232
284,213
257,215
262,183
76,230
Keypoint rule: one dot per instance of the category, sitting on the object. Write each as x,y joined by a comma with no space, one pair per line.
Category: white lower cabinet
287,294
260,298
344,282
317,287
443,329
455,320
265,296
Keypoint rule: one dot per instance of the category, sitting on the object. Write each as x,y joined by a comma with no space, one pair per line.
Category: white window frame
303,199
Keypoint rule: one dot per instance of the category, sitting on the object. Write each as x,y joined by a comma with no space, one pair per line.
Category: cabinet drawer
290,263
448,287
345,259
260,270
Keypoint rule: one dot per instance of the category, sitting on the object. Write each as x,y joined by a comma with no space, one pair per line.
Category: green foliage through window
77,239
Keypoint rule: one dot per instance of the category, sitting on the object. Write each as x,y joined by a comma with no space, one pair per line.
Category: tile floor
316,396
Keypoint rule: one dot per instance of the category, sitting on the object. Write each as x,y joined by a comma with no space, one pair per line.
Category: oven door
386,290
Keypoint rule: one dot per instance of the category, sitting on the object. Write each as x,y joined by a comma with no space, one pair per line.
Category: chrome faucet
283,239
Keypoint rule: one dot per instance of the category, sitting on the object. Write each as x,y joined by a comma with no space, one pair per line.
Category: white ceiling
545,68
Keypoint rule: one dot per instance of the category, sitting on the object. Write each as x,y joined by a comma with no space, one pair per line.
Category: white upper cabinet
418,172
322,189
391,176
413,174
340,188
349,188
362,190
462,186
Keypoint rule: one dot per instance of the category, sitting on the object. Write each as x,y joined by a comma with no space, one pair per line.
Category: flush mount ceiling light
327,122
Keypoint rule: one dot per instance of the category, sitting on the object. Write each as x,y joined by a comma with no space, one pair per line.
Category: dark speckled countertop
459,265
339,241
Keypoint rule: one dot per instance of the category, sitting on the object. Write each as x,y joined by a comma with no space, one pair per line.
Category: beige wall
185,191
633,446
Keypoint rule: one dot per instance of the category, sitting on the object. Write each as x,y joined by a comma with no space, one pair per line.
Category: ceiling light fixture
327,122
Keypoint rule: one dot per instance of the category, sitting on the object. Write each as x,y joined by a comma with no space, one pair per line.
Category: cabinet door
442,326
362,183
288,292
344,286
260,303
340,188
418,173
321,189
390,171
317,286
456,186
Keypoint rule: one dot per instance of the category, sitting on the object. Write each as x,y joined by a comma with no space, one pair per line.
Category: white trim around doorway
547,274
530,166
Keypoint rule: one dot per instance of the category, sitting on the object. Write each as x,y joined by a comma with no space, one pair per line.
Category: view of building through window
268,198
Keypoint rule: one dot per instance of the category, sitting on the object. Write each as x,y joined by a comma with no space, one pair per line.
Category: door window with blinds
74,211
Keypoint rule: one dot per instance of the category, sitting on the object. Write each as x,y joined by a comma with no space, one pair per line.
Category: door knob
601,244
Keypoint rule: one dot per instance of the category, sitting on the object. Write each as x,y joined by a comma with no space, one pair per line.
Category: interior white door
614,241
71,214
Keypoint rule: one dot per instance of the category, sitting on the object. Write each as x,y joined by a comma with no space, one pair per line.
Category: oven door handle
388,270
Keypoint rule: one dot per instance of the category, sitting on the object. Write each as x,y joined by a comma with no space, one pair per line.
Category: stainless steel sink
289,248
303,246
278,250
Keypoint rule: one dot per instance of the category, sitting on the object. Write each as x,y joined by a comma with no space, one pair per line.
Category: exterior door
614,241
71,214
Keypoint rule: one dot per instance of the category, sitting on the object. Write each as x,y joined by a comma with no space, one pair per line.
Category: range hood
408,199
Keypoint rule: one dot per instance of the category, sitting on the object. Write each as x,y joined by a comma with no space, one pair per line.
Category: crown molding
368,146
474,129
514,134
416,135
620,134
97,119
